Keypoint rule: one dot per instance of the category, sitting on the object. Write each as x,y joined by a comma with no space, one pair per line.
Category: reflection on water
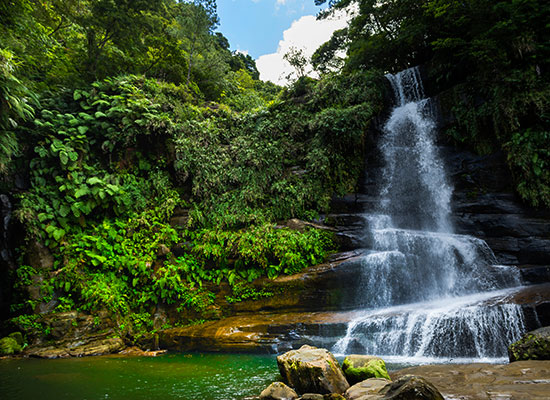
172,376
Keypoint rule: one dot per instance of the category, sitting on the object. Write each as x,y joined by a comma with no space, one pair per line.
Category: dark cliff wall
485,205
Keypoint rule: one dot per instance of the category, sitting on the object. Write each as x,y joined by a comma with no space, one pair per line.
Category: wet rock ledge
522,380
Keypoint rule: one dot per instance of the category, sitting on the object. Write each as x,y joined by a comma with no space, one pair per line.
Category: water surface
173,376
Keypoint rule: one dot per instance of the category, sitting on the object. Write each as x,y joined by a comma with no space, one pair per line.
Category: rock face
358,368
278,391
276,332
324,287
534,345
485,205
259,332
312,370
87,346
370,389
68,326
410,387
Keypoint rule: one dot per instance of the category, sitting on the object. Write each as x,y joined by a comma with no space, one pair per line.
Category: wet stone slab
522,380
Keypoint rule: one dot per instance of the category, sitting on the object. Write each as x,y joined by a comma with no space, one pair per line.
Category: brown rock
249,333
136,351
278,391
39,257
97,348
50,352
411,387
369,389
524,380
312,370
93,345
163,250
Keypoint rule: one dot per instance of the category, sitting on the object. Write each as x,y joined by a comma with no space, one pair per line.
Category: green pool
172,376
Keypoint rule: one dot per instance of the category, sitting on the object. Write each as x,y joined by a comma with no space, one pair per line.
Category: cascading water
426,293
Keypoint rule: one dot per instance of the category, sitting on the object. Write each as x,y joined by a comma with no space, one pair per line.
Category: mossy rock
357,368
9,346
312,370
534,345
18,336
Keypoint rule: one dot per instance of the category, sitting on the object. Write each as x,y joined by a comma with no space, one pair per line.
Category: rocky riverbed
314,374
522,380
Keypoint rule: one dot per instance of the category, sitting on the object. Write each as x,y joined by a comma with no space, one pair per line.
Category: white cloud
306,33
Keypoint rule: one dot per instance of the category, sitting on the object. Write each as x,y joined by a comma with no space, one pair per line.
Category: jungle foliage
129,135
489,59
156,166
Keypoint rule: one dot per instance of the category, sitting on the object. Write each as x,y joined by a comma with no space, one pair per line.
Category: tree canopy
489,60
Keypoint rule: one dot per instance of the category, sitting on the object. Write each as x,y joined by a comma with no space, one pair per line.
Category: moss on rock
357,368
534,345
18,337
9,346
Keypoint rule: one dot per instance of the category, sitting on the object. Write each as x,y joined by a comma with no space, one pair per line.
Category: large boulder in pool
411,387
358,368
278,391
312,370
534,345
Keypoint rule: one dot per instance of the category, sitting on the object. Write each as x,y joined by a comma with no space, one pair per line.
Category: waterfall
425,292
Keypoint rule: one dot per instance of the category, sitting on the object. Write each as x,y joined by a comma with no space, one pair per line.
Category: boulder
312,370
9,346
18,337
534,345
357,368
369,389
411,387
278,391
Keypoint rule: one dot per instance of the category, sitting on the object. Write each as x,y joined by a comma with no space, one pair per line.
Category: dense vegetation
157,170
153,165
491,60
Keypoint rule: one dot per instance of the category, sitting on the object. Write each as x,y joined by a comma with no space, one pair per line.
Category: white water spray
426,293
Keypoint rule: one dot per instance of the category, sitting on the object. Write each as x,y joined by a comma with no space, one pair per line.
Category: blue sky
268,29
257,26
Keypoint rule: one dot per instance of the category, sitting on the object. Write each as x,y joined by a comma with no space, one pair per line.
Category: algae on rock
312,370
9,346
534,345
358,368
